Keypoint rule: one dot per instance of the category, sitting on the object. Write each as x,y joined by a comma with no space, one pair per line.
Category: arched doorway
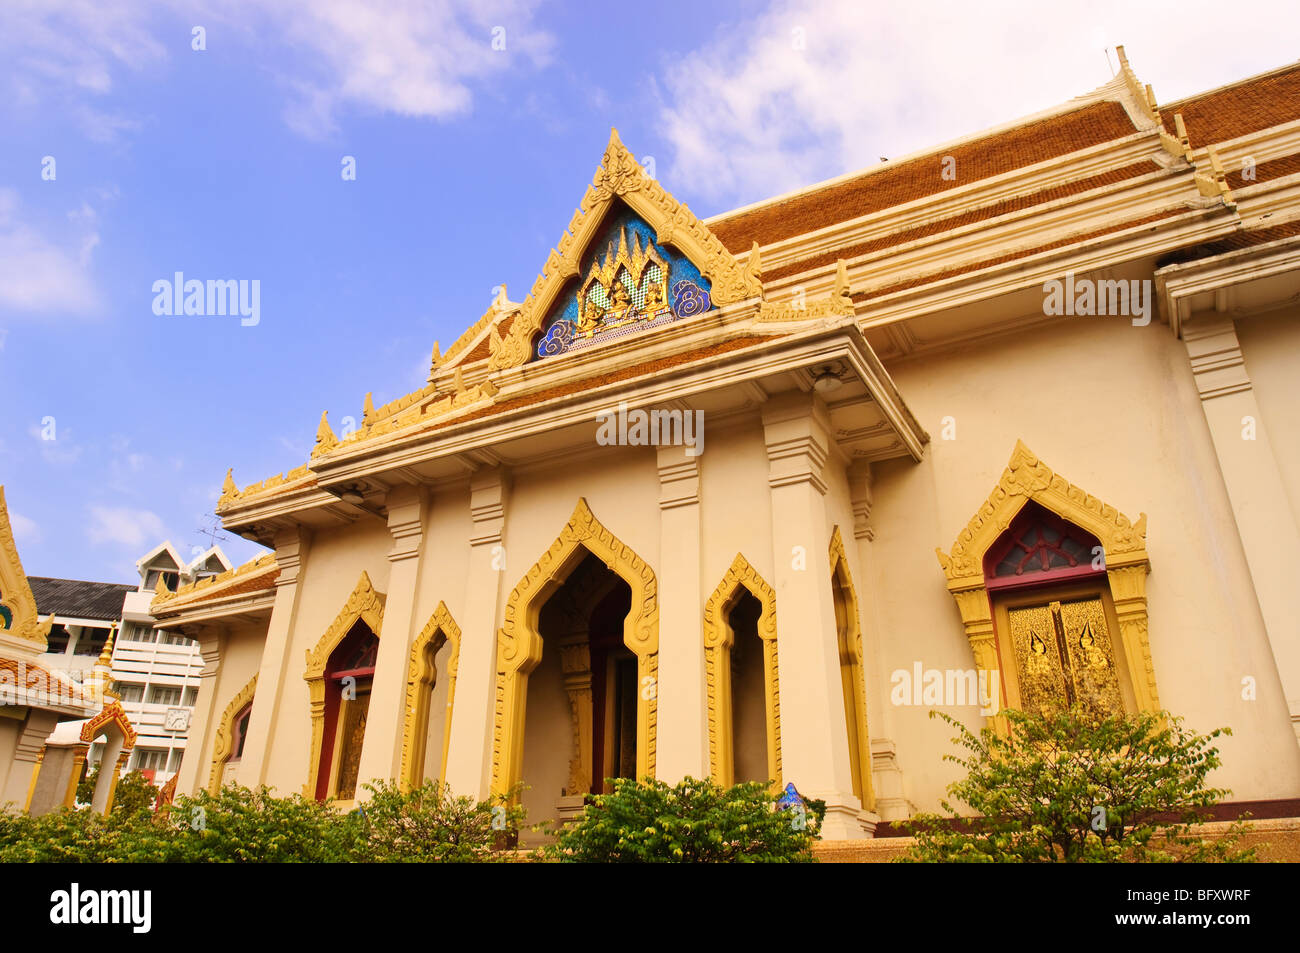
583,695
520,653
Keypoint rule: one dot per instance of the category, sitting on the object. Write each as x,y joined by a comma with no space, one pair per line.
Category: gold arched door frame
223,745
421,675
364,605
1123,544
853,674
718,640
519,645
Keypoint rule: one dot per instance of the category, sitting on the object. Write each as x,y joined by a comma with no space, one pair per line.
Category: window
58,639
1054,617
140,632
191,697
240,732
129,692
91,641
165,695
150,759
174,638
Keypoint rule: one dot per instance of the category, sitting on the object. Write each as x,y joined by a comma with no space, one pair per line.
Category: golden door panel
1063,656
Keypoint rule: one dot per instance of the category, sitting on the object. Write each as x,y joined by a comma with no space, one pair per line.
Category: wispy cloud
406,57
124,526
41,275
25,530
814,88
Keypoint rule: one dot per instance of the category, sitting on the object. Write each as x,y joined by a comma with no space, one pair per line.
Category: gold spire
368,408
325,438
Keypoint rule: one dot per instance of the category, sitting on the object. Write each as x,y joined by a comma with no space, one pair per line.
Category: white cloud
408,57
124,526
41,275
25,530
752,114
56,443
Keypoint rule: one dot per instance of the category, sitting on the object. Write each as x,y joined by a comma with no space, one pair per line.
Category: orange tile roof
483,348
1004,207
917,178
1012,256
1247,107
1273,169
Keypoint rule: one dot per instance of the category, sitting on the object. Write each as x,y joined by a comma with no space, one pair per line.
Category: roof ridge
1289,67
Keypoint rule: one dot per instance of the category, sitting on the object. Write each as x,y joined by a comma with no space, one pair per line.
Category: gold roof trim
15,592
264,563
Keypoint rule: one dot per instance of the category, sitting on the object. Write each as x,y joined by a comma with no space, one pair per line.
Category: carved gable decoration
622,201
628,283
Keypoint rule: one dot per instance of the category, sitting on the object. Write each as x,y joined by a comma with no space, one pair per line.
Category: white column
291,548
469,758
814,736
196,761
381,752
682,740
1255,489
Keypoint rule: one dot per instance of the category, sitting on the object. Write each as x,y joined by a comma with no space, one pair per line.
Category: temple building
1005,423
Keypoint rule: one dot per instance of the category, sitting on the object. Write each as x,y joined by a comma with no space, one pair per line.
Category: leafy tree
134,792
695,821
430,824
1069,786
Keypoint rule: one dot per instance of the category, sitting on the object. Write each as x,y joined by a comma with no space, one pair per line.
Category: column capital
291,547
406,510
489,495
1215,355
679,477
796,433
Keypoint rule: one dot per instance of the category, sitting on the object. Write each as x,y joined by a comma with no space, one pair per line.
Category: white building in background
156,673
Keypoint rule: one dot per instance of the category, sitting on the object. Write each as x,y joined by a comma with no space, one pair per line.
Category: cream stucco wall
1113,409
1270,345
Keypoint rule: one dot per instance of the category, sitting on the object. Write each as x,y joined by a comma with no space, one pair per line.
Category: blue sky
224,163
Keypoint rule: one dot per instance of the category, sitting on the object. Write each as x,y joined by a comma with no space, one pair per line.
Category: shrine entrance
582,698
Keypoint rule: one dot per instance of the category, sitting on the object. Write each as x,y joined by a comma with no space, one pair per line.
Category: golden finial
325,438
842,280
105,660
368,408
161,588
228,488
754,267
458,382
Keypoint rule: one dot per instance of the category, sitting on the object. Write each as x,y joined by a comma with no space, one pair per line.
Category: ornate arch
519,645
421,675
111,715
1123,544
224,741
364,605
853,672
718,639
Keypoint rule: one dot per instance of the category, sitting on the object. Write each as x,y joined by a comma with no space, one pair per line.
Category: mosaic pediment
627,283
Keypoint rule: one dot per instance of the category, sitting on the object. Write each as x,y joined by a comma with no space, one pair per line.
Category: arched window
1054,617
349,675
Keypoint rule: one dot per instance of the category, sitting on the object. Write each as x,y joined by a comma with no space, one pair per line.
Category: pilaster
682,748
381,752
196,762
469,757
28,752
1265,522
291,551
814,737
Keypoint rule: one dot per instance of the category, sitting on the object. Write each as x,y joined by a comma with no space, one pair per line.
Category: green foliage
1066,786
134,792
239,825
430,824
696,821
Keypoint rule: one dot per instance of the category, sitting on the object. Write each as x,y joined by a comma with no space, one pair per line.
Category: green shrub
65,836
1065,786
696,821
430,824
